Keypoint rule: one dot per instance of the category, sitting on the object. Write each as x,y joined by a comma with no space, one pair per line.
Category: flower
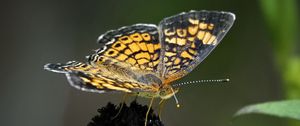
133,115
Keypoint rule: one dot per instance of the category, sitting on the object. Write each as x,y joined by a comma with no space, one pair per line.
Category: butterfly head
167,92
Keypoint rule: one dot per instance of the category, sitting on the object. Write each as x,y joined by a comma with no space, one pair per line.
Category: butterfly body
144,59
163,93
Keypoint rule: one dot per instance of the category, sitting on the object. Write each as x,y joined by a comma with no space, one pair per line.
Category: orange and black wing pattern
136,47
144,57
188,38
95,79
127,61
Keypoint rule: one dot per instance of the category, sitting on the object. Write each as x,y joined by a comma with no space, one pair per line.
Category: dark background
38,32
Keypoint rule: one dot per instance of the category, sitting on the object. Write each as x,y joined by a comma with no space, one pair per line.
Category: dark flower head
133,115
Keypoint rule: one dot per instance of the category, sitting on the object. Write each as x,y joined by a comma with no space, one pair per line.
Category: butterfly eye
162,92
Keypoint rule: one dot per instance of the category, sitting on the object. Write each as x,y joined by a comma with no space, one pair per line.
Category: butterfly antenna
176,100
201,81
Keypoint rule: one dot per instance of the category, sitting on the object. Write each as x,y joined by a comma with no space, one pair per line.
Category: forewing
136,47
188,38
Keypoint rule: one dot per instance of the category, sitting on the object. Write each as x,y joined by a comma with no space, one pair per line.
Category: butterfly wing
139,59
128,61
188,38
136,47
95,79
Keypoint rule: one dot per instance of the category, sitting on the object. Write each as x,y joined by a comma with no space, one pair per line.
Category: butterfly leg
122,104
161,106
149,108
136,97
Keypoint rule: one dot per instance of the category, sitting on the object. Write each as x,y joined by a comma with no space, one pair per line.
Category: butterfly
144,59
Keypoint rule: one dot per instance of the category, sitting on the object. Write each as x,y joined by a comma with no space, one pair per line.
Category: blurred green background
260,54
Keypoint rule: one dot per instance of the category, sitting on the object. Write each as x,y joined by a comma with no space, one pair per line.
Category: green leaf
287,108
